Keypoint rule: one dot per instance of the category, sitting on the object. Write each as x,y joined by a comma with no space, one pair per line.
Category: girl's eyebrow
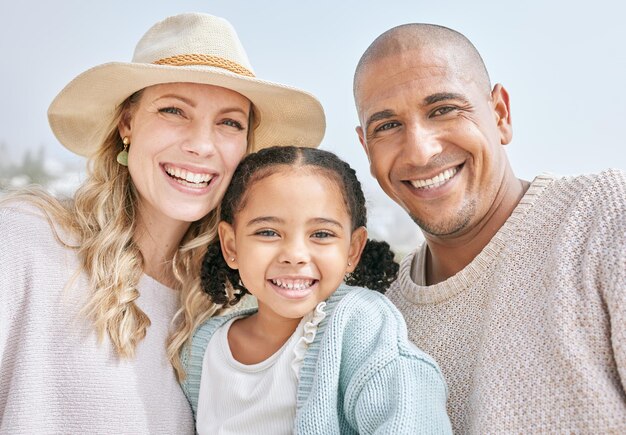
274,219
322,220
263,220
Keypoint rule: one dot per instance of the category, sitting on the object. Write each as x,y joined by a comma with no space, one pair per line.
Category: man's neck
447,257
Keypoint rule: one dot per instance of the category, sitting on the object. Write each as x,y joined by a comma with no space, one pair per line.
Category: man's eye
443,110
172,110
387,126
233,123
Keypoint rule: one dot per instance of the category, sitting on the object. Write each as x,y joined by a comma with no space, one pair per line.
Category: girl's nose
294,252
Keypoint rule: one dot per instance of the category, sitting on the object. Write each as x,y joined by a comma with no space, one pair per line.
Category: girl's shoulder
363,305
205,331
370,318
192,355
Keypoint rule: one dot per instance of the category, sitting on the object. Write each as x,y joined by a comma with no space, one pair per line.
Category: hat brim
86,106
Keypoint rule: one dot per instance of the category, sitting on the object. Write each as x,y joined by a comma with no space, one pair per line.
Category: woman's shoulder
22,221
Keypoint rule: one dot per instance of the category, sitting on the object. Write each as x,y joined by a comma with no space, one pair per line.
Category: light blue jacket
360,375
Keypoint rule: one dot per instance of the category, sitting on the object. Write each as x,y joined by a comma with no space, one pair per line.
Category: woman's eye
387,126
172,110
266,233
233,123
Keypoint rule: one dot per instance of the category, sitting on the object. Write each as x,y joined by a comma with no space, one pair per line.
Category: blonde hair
102,217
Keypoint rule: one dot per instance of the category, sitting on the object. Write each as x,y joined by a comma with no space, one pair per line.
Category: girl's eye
387,126
233,123
443,110
322,234
266,233
172,110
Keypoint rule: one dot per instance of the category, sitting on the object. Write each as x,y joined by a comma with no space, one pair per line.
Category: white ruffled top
311,322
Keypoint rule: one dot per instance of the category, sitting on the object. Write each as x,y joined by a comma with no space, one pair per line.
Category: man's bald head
417,36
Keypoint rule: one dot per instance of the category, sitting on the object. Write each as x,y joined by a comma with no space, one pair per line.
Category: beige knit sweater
531,336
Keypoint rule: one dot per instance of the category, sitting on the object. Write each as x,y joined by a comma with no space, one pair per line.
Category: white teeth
436,181
293,284
188,178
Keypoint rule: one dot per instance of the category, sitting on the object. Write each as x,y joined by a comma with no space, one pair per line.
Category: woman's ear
357,243
123,127
227,243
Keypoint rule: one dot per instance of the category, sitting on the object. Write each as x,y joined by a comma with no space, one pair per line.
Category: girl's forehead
296,188
286,178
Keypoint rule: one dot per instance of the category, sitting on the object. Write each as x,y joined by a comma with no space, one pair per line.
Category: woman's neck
158,241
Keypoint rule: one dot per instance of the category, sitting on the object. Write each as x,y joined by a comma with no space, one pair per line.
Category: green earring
122,157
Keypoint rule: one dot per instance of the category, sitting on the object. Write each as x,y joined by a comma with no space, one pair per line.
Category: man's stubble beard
450,227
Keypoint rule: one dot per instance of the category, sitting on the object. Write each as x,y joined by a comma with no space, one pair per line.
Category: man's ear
502,112
227,243
357,243
359,132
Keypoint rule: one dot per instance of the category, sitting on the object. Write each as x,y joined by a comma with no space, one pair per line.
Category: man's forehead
407,77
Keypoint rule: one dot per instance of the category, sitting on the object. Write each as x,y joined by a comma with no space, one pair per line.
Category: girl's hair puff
377,268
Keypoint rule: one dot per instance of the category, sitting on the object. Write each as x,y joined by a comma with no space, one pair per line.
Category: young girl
317,356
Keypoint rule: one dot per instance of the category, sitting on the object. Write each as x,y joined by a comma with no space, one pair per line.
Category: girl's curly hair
376,269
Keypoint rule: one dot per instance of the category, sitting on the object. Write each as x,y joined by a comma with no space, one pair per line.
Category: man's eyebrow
378,116
443,96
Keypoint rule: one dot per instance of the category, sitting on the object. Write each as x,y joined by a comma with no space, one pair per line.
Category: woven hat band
203,59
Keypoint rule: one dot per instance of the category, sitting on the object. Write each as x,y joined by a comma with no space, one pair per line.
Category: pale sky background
563,63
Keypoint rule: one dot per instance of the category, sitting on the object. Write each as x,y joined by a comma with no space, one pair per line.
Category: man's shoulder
610,181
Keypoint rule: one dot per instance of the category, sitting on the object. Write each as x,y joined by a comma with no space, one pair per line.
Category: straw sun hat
192,47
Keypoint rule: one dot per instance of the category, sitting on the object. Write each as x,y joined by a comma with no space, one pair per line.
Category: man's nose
422,144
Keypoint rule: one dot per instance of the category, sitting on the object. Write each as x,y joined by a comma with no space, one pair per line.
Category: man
519,291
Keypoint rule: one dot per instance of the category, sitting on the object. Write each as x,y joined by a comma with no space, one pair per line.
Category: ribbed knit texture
359,375
531,336
54,376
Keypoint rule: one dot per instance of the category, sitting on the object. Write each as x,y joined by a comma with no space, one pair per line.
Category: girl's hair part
377,268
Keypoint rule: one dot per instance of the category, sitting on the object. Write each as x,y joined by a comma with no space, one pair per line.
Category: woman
89,288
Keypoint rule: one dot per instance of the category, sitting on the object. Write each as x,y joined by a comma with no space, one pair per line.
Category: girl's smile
294,288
